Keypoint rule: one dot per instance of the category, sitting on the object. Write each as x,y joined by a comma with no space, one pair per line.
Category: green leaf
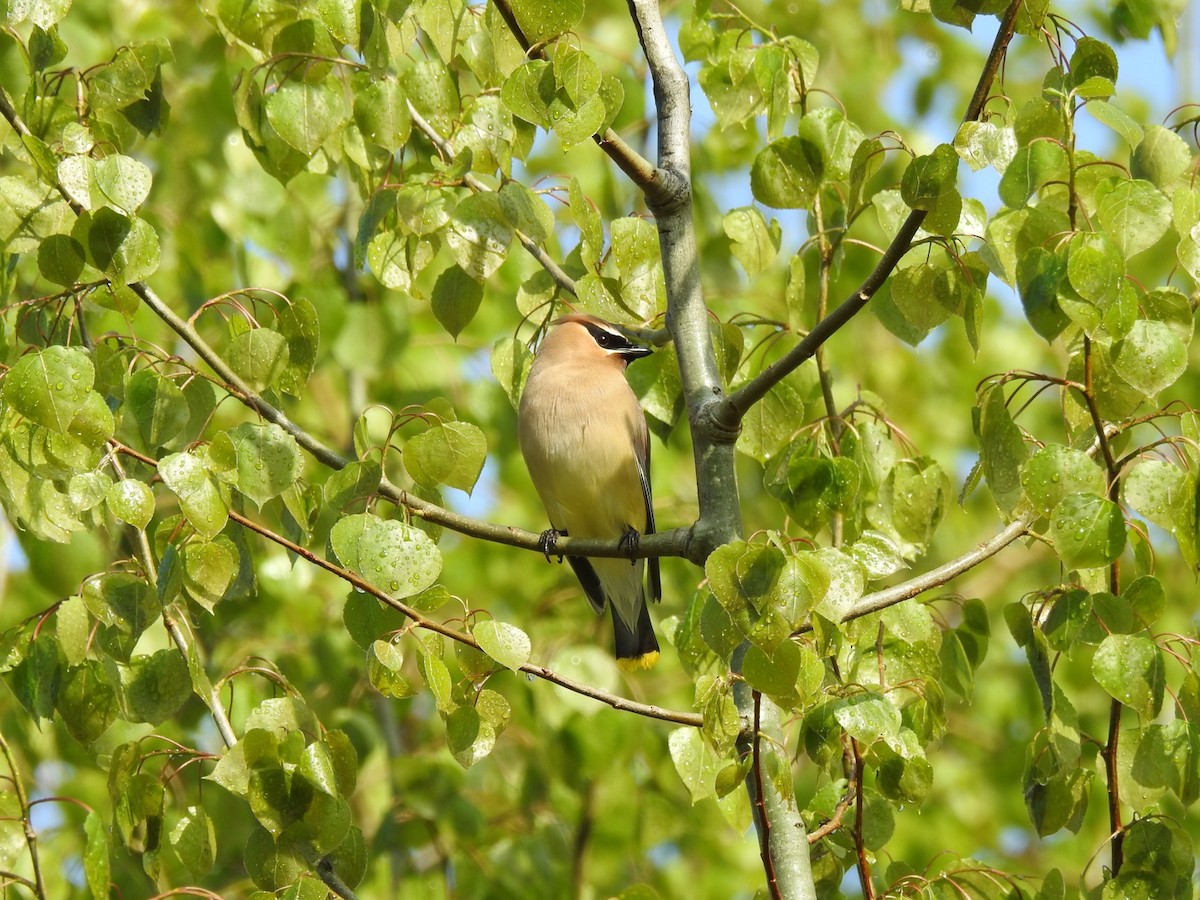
384,662
37,679
381,113
479,235
541,20
1134,212
299,325
511,361
526,211
132,502
774,675
831,136
1095,267
929,178
877,554
1151,357
124,247
529,90
456,297
123,182
266,459
156,686
1166,497
357,481
1039,273
782,175
1032,167
158,406
1118,120
259,356
1087,530
1130,668
469,737
742,574
208,571
123,600
1060,802
450,453
755,245
194,840
306,114
1002,451
395,557
1091,58
981,144
636,250
506,644
1162,158
1055,471
694,761
187,475
60,259
868,718
87,702
95,854
49,387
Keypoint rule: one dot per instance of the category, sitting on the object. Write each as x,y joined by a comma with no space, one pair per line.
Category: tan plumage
585,443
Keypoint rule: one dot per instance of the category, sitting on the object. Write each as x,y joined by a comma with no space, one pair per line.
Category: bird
586,446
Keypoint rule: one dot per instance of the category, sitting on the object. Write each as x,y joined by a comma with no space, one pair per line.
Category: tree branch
906,590
561,278
687,313
640,171
614,700
730,412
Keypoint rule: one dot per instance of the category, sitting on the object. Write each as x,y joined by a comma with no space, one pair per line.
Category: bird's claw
629,543
547,542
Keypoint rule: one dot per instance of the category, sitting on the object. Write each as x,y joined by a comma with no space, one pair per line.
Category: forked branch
729,412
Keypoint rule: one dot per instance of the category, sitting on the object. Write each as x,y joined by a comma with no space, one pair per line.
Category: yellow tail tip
638,663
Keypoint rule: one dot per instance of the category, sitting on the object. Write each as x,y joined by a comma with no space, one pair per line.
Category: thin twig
1111,748
730,411
38,886
860,849
561,278
906,590
764,832
640,170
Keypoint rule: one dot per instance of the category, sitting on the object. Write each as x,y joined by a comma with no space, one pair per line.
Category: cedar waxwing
587,449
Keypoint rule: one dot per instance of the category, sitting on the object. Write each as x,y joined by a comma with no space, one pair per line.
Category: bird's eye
604,339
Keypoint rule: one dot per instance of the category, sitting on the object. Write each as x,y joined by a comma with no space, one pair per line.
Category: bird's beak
631,353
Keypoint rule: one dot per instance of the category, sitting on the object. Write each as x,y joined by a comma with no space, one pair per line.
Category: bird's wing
641,447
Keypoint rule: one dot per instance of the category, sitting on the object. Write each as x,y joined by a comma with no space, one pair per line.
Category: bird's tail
637,648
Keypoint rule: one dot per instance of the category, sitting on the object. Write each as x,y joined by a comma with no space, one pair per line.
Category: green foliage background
258,164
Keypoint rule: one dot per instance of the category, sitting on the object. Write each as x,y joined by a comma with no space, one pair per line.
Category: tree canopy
921,282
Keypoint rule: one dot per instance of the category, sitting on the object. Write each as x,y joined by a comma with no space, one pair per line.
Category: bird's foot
547,542
629,543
